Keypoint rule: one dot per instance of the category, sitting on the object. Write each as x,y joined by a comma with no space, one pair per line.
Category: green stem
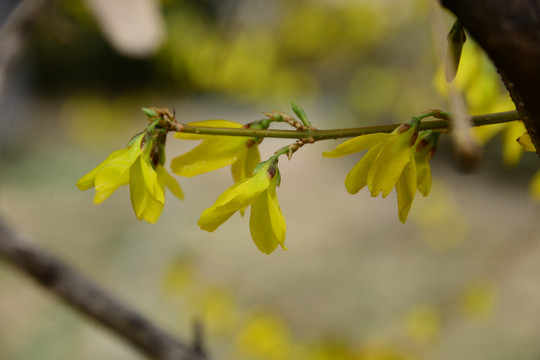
316,135
287,150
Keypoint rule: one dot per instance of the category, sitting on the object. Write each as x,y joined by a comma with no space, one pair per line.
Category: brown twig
86,297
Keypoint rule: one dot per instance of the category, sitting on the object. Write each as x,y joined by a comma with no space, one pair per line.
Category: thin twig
317,135
85,296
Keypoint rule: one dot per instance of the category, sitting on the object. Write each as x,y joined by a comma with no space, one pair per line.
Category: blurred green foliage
275,51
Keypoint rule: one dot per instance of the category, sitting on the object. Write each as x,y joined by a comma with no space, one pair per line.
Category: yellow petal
356,144
242,193
152,210
211,218
103,194
245,164
238,169
87,181
276,217
266,223
151,180
357,178
423,171
143,180
116,168
165,178
525,141
387,167
235,198
206,123
406,189
137,190
209,155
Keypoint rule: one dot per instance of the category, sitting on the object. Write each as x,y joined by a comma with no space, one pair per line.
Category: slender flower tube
388,163
216,152
267,224
141,166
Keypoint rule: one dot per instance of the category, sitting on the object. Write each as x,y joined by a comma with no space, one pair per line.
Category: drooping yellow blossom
216,152
147,188
389,162
140,165
267,224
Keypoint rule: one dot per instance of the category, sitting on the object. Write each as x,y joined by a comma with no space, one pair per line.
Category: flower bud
456,39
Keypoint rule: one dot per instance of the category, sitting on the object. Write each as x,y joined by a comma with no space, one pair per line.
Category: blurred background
459,280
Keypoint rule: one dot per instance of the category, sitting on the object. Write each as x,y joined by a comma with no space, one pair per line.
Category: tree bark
509,32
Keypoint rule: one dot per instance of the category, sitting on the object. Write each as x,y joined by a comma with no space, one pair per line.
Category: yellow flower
147,188
267,224
526,142
389,162
216,152
140,165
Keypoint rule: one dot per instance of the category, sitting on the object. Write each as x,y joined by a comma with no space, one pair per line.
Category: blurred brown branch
89,299
509,32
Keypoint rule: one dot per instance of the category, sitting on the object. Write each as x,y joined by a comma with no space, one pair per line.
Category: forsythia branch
85,296
316,135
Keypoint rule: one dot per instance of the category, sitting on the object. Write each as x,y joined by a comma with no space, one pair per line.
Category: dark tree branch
509,32
94,302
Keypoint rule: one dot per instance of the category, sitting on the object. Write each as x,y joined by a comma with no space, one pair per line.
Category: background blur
458,281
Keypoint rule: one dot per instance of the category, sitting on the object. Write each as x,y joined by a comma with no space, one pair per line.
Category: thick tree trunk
509,32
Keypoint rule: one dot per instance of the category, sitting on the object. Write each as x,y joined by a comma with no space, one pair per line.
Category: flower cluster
399,159
266,223
255,182
391,162
141,166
